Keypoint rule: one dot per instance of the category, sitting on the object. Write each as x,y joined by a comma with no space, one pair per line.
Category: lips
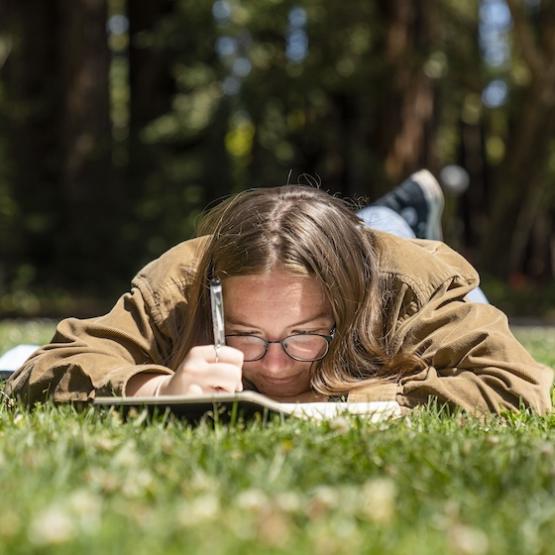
282,381
290,385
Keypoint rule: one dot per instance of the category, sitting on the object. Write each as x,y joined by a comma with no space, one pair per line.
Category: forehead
277,294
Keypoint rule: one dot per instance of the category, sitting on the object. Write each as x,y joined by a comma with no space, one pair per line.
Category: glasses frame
267,343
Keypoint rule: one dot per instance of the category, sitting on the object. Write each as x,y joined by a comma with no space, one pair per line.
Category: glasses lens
306,347
251,346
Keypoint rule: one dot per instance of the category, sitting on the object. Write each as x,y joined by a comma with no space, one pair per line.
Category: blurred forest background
121,119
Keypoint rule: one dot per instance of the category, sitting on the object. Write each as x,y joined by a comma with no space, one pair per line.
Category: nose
276,359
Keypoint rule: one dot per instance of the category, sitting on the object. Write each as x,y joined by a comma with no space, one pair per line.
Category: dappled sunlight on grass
426,484
81,481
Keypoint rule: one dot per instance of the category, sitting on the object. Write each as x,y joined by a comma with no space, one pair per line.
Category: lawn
84,482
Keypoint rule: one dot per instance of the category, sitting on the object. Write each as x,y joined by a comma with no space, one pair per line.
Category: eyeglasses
304,347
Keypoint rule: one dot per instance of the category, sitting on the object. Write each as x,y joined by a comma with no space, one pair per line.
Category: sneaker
419,201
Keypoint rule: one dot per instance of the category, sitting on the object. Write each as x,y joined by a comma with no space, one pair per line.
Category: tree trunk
408,111
522,182
151,91
31,114
151,86
88,241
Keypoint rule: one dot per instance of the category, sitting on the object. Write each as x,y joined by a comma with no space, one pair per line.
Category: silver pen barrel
217,304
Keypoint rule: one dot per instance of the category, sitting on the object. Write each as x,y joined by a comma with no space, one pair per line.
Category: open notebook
245,404
249,403
14,358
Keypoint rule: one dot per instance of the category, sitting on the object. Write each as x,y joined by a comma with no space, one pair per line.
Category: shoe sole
434,197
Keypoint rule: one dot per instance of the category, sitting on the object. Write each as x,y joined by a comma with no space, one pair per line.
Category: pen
217,304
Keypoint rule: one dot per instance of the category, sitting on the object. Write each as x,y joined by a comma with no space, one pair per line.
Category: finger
218,389
225,383
224,354
195,389
222,371
231,355
206,374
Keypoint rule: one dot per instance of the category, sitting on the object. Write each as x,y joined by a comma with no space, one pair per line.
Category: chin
295,384
280,391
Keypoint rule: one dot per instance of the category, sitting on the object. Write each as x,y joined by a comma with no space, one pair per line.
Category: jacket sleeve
95,356
472,359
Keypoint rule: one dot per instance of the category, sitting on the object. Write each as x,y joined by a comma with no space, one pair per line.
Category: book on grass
246,404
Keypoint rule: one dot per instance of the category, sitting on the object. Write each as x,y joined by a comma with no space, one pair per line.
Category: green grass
14,332
87,482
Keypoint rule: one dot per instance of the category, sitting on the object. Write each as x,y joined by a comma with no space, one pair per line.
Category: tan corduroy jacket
473,360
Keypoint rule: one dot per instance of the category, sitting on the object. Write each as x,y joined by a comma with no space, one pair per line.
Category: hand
200,373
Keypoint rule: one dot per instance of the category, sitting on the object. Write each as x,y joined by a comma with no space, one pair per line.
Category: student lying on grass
318,306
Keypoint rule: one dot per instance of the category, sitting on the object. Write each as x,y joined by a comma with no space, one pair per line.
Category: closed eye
304,332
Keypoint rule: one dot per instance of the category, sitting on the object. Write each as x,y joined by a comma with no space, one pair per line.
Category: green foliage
382,89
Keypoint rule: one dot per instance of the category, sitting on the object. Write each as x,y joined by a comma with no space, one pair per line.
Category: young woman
317,306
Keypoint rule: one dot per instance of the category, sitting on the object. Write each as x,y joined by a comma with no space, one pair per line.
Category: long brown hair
308,232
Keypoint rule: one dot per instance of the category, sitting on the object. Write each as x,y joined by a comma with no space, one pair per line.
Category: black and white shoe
419,201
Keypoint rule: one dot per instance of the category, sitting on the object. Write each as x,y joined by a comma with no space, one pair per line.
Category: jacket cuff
378,391
116,380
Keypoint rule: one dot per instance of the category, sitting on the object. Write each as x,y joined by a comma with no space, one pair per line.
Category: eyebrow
311,319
